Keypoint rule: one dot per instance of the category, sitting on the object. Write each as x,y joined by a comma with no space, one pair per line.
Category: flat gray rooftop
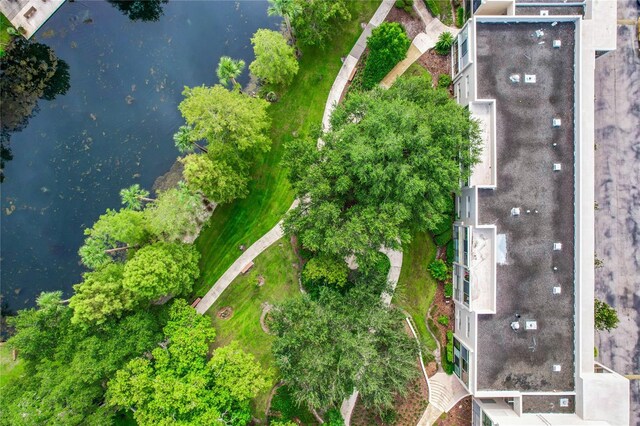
524,360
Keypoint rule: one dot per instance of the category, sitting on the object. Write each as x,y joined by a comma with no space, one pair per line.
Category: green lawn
278,266
416,287
5,37
299,110
8,369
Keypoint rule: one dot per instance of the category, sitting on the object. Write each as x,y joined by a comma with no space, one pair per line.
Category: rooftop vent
557,246
557,290
529,78
557,44
555,268
557,167
515,211
557,368
531,325
544,13
515,78
557,122
539,33
515,326
564,402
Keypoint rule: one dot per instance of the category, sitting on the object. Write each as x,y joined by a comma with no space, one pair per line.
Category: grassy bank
416,287
278,266
9,369
298,111
5,37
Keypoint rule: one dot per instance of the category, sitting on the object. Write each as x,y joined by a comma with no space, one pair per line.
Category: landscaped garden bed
460,414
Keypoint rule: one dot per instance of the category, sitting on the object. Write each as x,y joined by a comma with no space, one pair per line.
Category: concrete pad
617,192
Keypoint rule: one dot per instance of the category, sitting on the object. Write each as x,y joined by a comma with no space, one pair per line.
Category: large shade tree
67,366
288,9
275,61
326,349
314,21
177,385
235,127
391,161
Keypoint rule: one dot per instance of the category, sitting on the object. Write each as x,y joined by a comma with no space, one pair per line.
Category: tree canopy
606,317
68,365
176,384
174,214
161,269
316,20
101,296
275,61
229,69
327,348
391,161
216,179
227,118
112,233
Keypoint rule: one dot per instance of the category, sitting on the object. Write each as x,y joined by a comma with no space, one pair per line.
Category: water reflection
29,71
140,10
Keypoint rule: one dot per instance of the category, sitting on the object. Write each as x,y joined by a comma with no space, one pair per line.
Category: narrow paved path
234,270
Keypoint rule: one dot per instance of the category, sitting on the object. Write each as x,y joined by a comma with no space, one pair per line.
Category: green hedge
433,7
388,44
460,17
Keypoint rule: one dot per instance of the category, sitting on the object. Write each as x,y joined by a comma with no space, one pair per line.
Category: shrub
450,346
433,7
406,5
439,269
272,97
606,318
448,290
444,81
427,356
388,45
451,252
460,17
444,320
333,418
389,416
444,43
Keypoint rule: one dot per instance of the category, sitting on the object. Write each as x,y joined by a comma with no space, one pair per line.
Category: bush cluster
406,5
388,45
444,43
460,17
439,270
444,81
433,7
444,320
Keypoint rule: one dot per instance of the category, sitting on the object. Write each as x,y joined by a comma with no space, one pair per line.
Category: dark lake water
113,128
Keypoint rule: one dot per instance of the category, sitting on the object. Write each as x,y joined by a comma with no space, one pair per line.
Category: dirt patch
435,64
225,313
411,22
296,250
261,280
432,368
460,414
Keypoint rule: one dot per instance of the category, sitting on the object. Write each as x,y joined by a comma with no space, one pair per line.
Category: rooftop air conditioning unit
564,402
531,325
515,211
557,290
544,13
557,44
557,246
557,122
557,167
529,78
557,368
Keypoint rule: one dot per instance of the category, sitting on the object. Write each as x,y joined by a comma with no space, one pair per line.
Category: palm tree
288,9
183,140
229,69
133,196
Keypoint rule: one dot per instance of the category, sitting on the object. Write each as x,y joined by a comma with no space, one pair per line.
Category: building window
486,421
461,361
465,247
456,255
465,288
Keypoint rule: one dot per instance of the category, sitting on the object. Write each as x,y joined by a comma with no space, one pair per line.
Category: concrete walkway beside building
617,193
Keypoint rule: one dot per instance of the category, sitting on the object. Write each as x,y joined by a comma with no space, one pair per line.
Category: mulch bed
411,22
435,64
441,307
458,415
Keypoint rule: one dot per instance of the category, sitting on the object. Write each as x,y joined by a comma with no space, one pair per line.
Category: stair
440,395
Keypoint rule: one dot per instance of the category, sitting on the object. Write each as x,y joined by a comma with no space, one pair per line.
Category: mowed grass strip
416,287
278,266
298,111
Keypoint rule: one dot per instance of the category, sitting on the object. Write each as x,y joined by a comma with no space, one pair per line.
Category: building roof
524,360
